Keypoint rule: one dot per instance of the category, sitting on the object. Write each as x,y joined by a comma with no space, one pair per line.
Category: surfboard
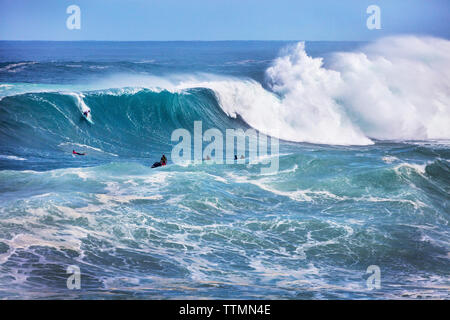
88,117
158,164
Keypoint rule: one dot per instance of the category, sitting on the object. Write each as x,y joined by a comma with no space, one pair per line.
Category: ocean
362,182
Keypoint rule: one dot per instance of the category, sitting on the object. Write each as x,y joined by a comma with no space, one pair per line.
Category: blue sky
221,19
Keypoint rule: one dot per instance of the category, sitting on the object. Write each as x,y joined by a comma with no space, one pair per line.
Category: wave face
131,123
363,177
394,89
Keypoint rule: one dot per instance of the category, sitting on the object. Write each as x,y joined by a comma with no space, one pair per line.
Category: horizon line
252,40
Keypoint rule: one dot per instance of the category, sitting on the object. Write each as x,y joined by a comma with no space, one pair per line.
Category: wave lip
395,88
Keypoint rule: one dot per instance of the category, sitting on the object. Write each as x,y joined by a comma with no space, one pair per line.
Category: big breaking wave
397,88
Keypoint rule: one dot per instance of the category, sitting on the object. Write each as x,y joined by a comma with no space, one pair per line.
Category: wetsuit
156,164
161,163
80,154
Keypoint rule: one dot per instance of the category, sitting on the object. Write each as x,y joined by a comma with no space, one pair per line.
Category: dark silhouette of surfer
77,153
163,162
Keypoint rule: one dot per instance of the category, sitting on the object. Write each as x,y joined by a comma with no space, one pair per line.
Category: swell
130,122
396,88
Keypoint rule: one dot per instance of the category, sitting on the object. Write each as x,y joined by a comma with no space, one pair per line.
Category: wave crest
395,88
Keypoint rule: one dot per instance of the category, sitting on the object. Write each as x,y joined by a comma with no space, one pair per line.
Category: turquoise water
340,201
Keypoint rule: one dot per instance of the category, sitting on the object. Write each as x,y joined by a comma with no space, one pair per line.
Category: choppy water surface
363,179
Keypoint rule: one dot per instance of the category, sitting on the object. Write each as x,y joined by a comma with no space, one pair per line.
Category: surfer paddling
163,162
77,153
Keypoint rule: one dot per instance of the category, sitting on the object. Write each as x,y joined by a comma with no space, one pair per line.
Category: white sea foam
293,169
389,159
106,198
395,88
16,67
84,146
419,168
79,100
2,156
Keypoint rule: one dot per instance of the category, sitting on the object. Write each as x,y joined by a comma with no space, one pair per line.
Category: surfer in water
77,153
86,113
163,162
